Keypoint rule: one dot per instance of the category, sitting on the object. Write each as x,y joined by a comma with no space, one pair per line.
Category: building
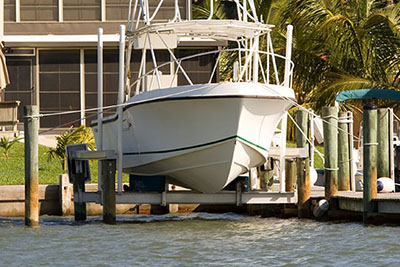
52,57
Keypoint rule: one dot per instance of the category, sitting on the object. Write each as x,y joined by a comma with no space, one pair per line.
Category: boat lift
110,161
108,197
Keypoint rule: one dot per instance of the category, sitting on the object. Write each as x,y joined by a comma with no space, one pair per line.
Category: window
82,10
59,76
117,9
110,81
39,10
9,10
21,83
167,10
197,68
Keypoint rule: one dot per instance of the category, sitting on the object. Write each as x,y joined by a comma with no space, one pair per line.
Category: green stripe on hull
196,146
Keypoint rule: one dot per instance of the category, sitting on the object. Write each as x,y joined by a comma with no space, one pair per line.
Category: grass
318,164
12,170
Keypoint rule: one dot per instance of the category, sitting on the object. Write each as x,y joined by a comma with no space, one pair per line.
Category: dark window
198,69
21,84
82,10
110,81
39,10
110,78
9,10
59,80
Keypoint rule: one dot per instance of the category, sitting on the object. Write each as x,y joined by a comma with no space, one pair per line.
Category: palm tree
340,47
267,11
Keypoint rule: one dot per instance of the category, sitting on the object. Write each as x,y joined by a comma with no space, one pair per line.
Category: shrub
79,135
6,144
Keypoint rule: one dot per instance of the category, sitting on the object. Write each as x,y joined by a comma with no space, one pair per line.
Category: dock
289,196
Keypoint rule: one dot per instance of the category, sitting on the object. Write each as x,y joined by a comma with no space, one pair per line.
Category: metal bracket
164,196
94,155
239,193
290,152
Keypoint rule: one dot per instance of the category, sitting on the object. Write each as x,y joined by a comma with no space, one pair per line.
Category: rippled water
197,239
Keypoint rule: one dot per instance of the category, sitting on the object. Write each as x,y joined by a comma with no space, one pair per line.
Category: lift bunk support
108,197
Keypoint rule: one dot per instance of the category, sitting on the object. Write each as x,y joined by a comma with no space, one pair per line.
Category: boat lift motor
77,168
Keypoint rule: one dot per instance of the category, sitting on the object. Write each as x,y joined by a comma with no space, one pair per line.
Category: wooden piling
343,153
330,128
302,122
302,166
290,175
383,140
303,185
109,199
65,195
31,128
370,125
79,204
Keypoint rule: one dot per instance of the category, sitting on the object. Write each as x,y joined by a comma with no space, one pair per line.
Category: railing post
31,129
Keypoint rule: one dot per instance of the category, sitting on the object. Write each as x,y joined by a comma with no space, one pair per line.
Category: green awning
368,94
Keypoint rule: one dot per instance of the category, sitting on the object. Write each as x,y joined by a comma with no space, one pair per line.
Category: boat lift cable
53,128
161,97
106,108
397,118
308,140
166,96
313,114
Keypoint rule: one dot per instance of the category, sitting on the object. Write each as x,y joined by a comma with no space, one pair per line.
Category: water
197,239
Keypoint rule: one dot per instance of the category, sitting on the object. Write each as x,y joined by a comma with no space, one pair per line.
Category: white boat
201,136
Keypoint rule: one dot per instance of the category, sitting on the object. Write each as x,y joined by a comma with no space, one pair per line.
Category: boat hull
201,139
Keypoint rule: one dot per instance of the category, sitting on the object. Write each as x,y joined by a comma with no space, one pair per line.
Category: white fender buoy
359,181
313,176
385,185
321,208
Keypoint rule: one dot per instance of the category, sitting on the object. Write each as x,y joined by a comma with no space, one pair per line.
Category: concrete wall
58,200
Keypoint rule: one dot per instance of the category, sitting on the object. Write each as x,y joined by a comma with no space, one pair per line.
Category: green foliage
318,162
7,144
337,45
12,171
343,45
79,135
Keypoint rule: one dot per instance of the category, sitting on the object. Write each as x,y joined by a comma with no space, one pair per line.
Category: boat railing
247,31
269,67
